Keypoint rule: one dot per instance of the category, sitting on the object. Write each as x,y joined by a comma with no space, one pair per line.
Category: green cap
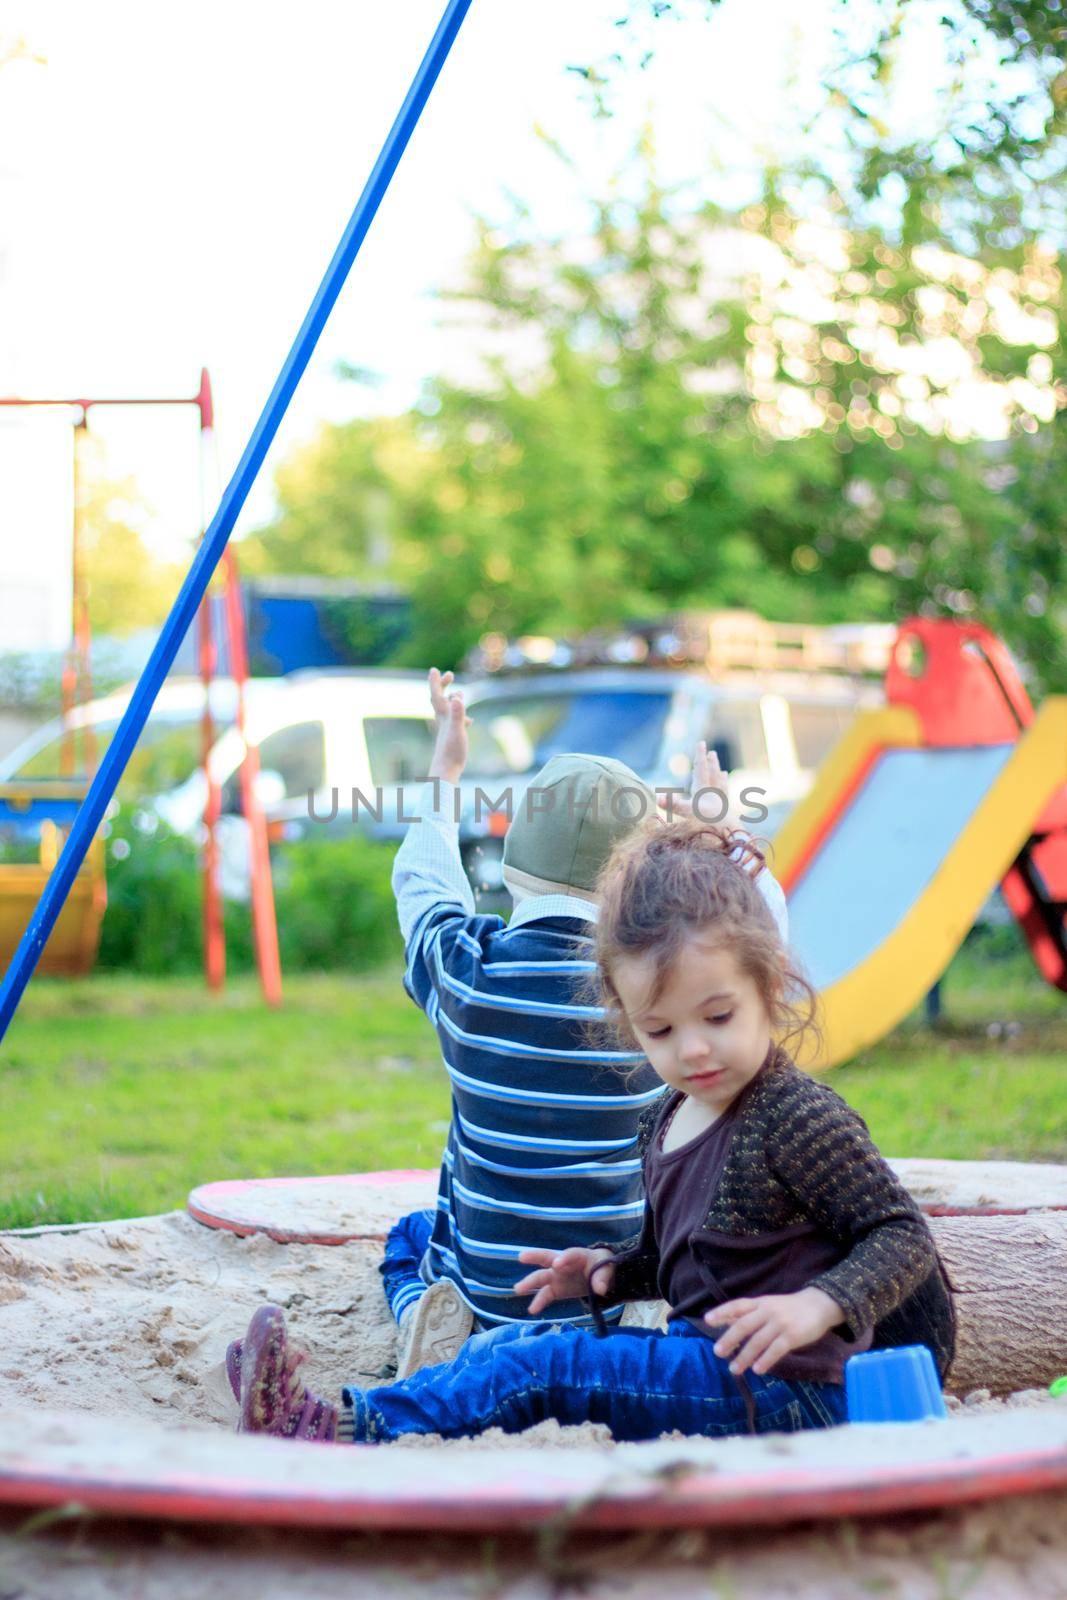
568,821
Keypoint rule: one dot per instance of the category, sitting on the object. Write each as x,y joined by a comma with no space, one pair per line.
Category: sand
132,1319
123,1326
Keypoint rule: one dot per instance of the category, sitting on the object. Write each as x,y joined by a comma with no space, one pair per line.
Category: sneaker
273,1399
434,1331
645,1314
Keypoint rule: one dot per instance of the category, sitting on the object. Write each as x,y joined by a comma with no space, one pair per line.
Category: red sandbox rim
229,1204
499,1496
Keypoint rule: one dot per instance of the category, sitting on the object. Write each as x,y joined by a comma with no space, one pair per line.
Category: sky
173,181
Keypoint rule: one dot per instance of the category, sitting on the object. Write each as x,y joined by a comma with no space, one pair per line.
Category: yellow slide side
869,1001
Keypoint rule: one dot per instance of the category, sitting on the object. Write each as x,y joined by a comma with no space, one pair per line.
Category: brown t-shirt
700,1267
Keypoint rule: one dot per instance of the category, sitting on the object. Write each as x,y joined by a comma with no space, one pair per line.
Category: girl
779,1237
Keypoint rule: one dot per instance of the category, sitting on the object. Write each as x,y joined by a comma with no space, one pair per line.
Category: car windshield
164,756
517,734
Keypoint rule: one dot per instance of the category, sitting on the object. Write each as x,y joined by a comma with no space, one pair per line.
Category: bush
335,905
153,918
333,898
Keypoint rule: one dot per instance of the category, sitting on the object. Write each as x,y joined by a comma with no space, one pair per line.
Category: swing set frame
79,945
213,546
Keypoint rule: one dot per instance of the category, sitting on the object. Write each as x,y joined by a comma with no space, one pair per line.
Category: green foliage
336,908
23,681
343,500
757,409
333,900
1002,112
128,588
32,679
365,629
153,918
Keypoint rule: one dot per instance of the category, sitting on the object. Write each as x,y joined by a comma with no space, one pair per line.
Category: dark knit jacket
802,1161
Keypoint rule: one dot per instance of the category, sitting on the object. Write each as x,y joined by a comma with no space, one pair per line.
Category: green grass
117,1095
990,1081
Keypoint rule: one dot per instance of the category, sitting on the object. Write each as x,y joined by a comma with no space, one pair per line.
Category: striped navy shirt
542,1146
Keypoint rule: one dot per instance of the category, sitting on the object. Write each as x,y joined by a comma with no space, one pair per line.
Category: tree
742,411
1001,119
845,400
343,500
129,588
694,409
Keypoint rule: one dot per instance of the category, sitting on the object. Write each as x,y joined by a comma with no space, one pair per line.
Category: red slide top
960,680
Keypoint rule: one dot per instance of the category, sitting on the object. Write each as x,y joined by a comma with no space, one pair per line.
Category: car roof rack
302,674
721,643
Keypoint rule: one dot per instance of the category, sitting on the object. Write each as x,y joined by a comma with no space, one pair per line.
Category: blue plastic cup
893,1386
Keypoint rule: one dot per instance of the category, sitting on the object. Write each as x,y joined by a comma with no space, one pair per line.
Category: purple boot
233,1367
273,1399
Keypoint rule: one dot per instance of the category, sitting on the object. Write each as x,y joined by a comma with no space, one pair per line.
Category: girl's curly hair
662,884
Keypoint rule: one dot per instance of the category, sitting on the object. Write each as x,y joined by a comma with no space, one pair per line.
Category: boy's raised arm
708,776
428,870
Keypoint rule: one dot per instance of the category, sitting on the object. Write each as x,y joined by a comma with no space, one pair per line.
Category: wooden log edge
1008,1275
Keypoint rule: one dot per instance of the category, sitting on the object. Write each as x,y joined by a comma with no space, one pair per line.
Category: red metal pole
214,927
83,633
264,920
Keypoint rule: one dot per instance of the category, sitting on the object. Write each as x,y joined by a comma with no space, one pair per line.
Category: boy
542,1148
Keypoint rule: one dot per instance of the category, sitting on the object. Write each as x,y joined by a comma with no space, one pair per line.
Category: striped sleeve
434,898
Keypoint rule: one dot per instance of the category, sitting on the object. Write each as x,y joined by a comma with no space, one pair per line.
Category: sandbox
115,1333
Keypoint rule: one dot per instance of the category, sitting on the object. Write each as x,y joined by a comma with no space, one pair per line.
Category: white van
321,735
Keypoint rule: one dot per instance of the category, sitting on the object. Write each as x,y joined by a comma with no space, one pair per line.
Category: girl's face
708,1033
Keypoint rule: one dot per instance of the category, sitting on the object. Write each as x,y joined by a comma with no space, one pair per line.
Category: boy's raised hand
707,774
564,1275
452,746
707,769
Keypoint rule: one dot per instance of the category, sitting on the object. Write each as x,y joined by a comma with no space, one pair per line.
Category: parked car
769,740
323,735
335,751
350,748
165,754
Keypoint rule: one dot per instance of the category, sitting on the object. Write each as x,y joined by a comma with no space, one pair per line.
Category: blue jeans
400,1269
638,1381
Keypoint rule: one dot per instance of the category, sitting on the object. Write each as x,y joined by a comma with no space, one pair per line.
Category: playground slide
889,859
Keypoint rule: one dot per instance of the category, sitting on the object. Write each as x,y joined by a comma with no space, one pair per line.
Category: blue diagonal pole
111,768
